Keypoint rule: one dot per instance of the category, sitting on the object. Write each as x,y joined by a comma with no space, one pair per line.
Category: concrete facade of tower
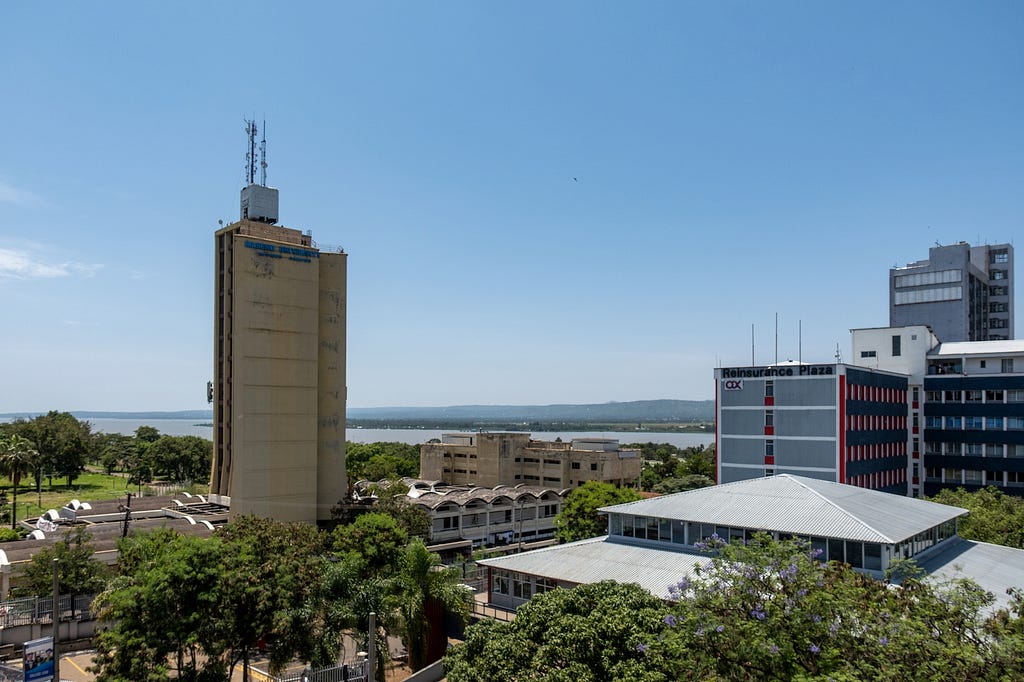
963,292
279,389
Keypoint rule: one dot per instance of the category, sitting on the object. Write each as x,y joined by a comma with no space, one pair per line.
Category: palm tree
427,588
17,455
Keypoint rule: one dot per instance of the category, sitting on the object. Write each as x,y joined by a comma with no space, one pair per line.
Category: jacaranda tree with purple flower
771,610
764,610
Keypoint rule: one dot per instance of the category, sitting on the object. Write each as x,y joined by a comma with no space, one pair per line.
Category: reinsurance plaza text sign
777,371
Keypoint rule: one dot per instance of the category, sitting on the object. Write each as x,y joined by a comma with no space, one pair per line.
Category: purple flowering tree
771,610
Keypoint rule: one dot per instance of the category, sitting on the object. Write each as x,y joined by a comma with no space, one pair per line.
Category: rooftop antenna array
263,156
252,130
258,202
250,152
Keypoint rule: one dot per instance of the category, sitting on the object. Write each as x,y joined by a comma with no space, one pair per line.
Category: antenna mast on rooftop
263,156
251,130
258,202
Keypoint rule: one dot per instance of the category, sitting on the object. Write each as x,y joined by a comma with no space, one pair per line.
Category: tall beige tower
279,377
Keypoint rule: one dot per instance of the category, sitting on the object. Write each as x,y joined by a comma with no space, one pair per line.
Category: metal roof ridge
584,541
704,490
848,514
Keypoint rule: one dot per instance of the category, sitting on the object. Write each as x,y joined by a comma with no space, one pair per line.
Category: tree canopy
664,462
63,443
378,539
193,609
764,611
995,516
377,461
590,633
181,458
161,610
78,571
579,518
208,603
18,456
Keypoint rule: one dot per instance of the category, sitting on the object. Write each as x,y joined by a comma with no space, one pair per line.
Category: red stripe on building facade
842,428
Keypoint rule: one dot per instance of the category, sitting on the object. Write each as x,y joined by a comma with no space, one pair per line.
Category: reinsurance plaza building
834,422
279,376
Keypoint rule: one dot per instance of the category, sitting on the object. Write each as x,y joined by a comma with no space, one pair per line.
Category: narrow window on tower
896,345
769,448
769,418
769,389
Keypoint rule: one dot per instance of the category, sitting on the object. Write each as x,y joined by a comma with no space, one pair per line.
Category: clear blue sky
543,202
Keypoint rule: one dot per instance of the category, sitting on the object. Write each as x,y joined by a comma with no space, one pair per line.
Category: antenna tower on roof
250,152
258,202
263,156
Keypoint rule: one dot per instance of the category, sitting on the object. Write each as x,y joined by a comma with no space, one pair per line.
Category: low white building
653,542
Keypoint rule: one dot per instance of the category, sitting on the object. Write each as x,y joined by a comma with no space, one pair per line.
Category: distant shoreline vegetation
666,416
463,425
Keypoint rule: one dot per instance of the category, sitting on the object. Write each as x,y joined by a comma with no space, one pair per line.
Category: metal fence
341,673
28,610
9,674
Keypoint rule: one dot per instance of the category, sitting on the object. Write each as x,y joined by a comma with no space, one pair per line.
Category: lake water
190,427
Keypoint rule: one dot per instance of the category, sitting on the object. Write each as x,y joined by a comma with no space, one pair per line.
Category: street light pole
56,621
127,509
372,646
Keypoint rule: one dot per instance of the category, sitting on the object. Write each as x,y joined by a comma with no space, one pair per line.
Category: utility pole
372,658
56,621
127,509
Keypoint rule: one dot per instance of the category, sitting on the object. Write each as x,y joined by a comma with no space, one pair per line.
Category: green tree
771,611
1006,630
995,516
162,608
269,570
205,604
664,460
761,611
579,518
63,443
698,461
77,570
114,451
427,589
147,434
181,458
687,482
590,633
377,538
17,456
392,500
377,461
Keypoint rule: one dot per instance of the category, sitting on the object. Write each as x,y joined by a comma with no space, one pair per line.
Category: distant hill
633,411
669,411
86,414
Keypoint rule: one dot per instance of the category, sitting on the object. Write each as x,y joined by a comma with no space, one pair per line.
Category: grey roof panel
994,567
597,559
955,348
801,506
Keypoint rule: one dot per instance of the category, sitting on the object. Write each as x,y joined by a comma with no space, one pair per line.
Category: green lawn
87,487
